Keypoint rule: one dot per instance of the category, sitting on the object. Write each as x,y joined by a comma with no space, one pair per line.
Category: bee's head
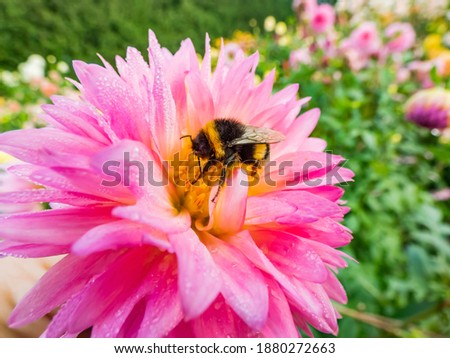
201,147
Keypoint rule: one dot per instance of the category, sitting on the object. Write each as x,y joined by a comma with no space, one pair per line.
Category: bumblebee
230,142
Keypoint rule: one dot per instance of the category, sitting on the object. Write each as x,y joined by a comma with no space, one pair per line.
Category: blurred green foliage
80,29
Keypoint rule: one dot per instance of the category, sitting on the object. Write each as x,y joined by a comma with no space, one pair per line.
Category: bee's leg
254,169
223,174
201,171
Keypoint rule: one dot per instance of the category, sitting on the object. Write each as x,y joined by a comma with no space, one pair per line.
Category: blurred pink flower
146,260
48,88
356,60
401,35
429,108
298,57
13,106
322,18
304,8
403,74
442,195
364,39
231,51
422,70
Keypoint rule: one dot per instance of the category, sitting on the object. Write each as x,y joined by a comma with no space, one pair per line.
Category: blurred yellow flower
396,138
433,45
244,39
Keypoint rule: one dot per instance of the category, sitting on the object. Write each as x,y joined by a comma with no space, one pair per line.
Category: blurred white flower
33,68
269,23
10,79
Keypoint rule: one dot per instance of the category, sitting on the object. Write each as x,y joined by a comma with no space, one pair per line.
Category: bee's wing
255,135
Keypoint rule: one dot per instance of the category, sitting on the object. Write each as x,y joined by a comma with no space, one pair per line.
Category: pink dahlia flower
401,35
364,39
160,257
298,57
322,18
429,108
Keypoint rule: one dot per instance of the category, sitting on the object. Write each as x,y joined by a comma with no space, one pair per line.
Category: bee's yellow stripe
259,151
214,139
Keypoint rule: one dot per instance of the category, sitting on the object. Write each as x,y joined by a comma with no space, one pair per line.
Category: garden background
400,212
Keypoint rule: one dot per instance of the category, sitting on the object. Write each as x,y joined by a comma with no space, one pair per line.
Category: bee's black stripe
229,130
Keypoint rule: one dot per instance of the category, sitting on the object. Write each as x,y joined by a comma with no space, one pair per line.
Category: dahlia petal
107,91
307,207
163,310
102,295
297,133
280,323
134,69
261,210
64,279
110,324
313,145
73,123
248,299
85,112
59,325
81,181
183,62
315,306
239,79
302,324
134,320
165,126
45,196
48,146
158,239
328,254
325,230
153,207
220,321
135,166
244,242
183,330
233,201
332,193
334,289
301,170
305,298
200,102
270,116
45,227
206,63
260,96
286,95
111,236
160,219
20,249
198,276
200,223
291,255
